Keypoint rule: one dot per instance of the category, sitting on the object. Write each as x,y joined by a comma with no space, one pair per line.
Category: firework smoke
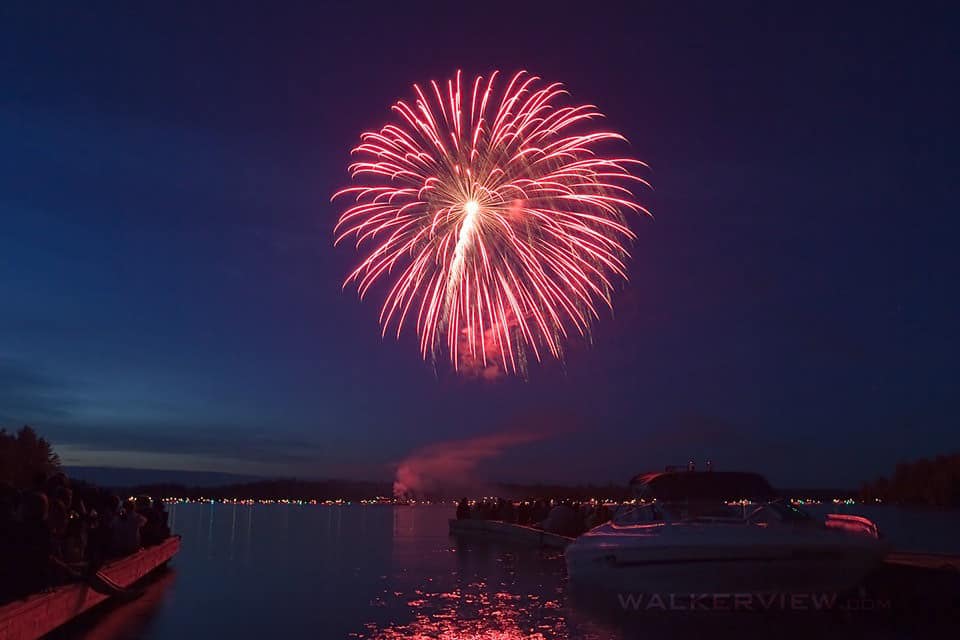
451,466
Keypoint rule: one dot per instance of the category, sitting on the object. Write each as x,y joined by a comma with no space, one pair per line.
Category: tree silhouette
933,482
24,456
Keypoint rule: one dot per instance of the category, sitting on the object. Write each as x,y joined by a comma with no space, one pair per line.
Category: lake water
384,572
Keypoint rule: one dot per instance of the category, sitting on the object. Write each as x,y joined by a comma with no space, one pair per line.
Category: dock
937,561
510,532
41,613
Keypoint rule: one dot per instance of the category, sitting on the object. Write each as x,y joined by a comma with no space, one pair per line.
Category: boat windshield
709,511
679,512
779,511
789,512
713,511
640,514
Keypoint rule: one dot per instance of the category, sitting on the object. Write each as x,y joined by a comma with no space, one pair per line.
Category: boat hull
42,613
668,564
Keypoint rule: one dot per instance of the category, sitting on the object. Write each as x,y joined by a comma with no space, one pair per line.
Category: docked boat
508,531
722,532
41,613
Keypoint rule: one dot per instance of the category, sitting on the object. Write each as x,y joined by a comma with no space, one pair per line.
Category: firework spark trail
464,239
499,227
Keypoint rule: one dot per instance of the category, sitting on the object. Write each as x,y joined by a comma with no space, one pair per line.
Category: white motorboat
722,532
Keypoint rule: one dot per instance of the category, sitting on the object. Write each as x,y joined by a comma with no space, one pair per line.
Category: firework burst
497,222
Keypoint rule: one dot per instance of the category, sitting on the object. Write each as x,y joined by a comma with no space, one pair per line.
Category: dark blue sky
170,296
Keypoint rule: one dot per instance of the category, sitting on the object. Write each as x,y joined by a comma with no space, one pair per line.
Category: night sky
171,297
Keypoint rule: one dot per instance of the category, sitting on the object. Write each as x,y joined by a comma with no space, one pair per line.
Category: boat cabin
702,486
707,496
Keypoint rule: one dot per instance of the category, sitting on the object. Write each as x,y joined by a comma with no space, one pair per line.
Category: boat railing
852,523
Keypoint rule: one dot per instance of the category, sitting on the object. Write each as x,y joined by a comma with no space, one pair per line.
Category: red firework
498,226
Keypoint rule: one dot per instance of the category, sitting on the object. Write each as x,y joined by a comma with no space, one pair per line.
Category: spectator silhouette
126,536
33,545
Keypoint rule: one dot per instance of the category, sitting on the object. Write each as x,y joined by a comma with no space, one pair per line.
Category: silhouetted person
9,525
54,483
523,513
463,509
8,506
156,529
163,517
33,546
475,512
564,520
143,505
100,544
598,516
539,513
58,514
505,510
126,537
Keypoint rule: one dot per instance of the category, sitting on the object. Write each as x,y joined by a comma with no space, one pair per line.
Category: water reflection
460,588
132,620
124,620
382,572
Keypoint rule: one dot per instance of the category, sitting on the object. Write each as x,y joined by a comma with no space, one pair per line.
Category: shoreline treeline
25,456
928,481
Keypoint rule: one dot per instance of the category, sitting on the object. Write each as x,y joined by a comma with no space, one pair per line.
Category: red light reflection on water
474,612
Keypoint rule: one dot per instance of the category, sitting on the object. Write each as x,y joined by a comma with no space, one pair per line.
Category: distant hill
193,484
127,477
279,489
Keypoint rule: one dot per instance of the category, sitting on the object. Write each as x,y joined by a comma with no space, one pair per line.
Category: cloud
28,395
86,434
81,456
193,447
